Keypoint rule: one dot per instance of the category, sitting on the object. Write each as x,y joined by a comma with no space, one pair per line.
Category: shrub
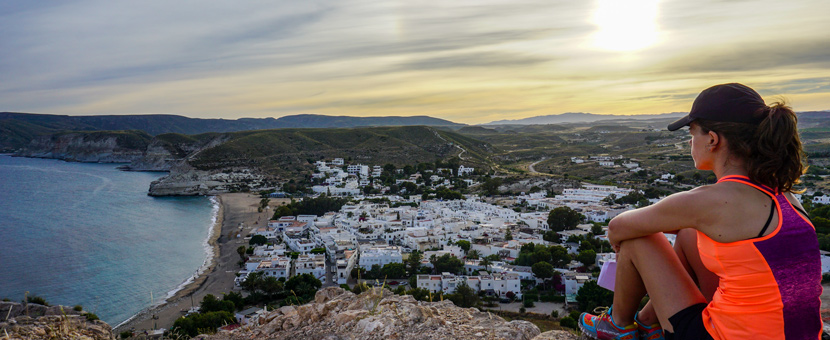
568,322
346,287
528,303
78,308
522,310
37,299
554,314
126,334
91,317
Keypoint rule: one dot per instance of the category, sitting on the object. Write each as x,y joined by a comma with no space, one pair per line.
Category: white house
313,264
462,170
821,199
379,255
499,284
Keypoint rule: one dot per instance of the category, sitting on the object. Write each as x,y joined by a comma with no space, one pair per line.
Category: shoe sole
585,334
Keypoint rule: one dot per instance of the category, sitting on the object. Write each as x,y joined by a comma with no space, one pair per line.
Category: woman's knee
647,244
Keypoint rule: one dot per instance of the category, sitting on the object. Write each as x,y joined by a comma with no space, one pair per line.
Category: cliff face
379,314
35,321
84,147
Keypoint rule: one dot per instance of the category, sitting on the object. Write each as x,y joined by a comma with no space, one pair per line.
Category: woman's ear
714,140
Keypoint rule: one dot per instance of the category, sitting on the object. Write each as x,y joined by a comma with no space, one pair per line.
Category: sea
88,234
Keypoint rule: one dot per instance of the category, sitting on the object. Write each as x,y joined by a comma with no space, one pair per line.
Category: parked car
393,283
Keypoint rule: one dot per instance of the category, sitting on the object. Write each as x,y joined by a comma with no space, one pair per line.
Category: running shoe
602,327
653,332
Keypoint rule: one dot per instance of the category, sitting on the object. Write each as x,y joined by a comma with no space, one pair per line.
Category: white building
313,264
463,171
338,162
499,284
379,255
279,266
821,199
345,266
573,282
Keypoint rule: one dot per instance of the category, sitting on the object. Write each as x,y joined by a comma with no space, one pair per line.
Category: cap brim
680,123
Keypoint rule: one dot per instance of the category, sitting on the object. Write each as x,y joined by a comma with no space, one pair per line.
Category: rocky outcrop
82,147
184,180
33,321
336,314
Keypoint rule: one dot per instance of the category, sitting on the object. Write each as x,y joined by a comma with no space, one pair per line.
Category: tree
473,254
592,295
559,255
564,218
465,245
543,270
241,251
551,236
464,296
414,262
491,186
258,240
211,304
596,229
394,270
447,263
281,211
587,257
303,286
193,325
508,236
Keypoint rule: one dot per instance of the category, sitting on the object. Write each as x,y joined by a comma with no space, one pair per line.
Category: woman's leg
649,264
685,246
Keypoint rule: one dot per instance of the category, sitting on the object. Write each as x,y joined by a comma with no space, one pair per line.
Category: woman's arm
689,209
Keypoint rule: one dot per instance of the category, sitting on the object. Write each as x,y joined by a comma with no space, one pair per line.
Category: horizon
470,63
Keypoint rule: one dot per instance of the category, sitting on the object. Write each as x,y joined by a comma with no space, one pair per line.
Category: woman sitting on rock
745,264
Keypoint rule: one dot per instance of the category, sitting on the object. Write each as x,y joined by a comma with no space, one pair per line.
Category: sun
625,25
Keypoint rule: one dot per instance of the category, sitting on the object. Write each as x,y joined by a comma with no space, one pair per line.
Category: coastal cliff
89,147
380,314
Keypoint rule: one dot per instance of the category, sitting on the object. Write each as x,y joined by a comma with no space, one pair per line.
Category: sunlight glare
625,25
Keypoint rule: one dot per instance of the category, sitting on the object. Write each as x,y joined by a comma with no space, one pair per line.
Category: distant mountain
320,121
18,129
580,117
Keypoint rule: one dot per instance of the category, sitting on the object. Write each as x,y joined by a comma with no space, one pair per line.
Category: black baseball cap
731,102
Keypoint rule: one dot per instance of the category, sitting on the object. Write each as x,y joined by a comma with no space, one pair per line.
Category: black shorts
688,324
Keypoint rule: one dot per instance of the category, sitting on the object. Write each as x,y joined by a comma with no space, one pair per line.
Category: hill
18,129
286,151
580,117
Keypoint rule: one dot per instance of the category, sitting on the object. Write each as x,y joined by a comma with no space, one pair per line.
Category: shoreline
189,285
236,217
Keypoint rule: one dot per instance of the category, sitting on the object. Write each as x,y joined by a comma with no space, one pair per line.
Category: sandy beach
235,210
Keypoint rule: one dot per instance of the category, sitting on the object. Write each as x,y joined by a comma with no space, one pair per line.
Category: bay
88,234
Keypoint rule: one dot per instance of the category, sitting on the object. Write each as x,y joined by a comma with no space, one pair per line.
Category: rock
380,314
556,335
45,322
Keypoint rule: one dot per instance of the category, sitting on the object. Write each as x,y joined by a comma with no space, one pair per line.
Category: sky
466,61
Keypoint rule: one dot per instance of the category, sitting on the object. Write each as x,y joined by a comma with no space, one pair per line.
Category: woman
745,264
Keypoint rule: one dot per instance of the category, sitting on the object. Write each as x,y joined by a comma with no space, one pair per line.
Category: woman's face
700,147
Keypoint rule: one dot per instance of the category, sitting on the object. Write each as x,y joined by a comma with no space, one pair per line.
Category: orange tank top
769,286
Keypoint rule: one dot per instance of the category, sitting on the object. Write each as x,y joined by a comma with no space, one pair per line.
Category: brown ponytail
772,149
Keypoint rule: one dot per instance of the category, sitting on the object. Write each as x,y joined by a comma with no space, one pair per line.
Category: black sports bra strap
801,211
769,219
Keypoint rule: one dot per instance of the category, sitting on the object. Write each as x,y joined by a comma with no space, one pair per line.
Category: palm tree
473,254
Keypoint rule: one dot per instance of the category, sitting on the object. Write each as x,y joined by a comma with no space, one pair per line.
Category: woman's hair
772,149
